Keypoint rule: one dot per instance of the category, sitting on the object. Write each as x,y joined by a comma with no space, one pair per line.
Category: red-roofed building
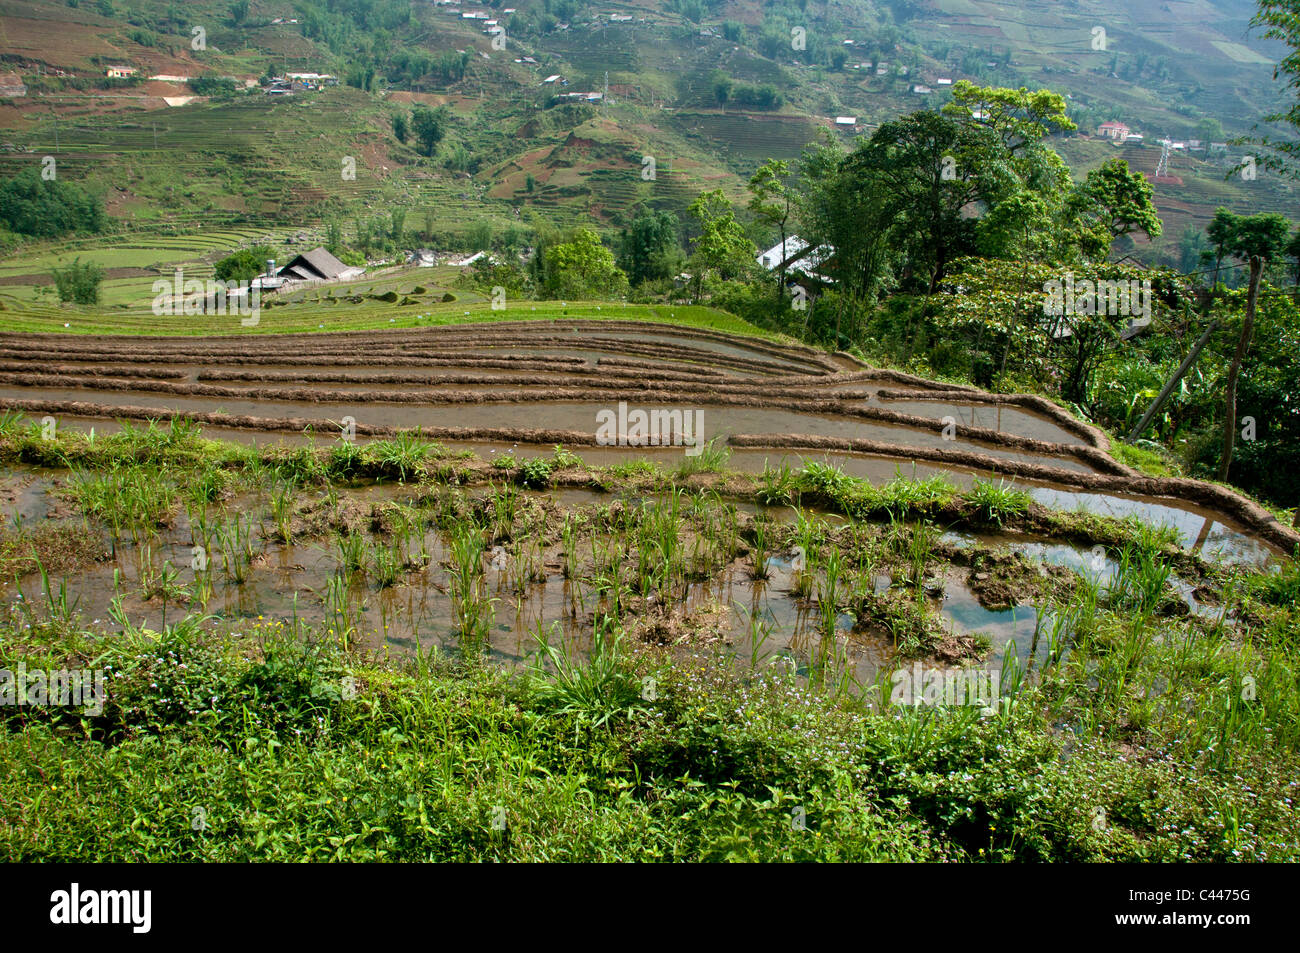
1113,130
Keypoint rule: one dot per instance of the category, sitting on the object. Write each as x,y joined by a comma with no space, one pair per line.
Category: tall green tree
648,248
837,209
1281,21
771,204
925,165
581,267
1221,232
1114,201
1020,118
430,127
78,282
722,246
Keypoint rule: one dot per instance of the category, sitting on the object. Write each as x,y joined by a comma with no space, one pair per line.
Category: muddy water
595,353
758,622
580,417
1200,530
708,345
1012,420
290,582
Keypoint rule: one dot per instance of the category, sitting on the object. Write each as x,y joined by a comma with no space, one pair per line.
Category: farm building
318,265
1113,130
313,79
797,256
120,72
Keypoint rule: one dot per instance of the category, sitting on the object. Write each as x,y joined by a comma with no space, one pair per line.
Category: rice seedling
996,502
505,505
207,486
405,453
165,585
778,486
60,606
386,565
569,546
828,596
810,533
1140,582
471,607
712,458
759,631
235,536
761,550
526,567
282,510
649,566
592,692
920,547
337,600
352,549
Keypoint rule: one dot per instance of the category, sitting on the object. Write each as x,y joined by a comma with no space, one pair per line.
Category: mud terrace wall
530,364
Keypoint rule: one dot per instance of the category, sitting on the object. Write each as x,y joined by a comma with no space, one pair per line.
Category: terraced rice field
526,386
436,498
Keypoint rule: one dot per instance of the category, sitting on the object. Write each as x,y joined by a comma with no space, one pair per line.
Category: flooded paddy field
264,545
532,385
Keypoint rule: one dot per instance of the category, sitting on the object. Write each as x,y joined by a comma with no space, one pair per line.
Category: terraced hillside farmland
454,506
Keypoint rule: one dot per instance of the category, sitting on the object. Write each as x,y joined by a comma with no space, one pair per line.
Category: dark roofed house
318,265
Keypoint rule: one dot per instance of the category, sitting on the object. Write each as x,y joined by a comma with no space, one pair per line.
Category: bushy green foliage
32,205
245,264
78,282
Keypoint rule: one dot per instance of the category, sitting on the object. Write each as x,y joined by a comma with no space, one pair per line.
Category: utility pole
1183,368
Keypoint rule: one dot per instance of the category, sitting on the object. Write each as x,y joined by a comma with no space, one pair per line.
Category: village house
120,72
316,266
797,257
313,80
1113,130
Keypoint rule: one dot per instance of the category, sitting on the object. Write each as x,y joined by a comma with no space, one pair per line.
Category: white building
796,254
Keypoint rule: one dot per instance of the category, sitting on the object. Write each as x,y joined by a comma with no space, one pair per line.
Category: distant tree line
41,208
